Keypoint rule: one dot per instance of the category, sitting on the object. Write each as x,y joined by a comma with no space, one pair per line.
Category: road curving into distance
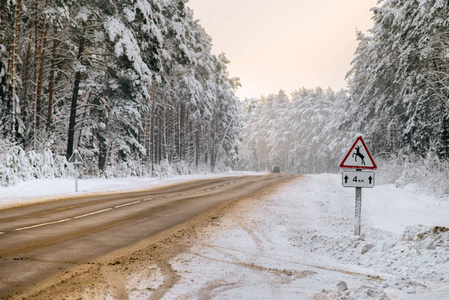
41,240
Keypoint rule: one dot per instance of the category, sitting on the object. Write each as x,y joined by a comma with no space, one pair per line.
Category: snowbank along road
41,240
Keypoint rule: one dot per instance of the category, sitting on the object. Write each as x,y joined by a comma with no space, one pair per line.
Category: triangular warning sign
358,157
76,158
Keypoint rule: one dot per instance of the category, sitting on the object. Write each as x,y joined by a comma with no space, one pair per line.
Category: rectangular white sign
361,179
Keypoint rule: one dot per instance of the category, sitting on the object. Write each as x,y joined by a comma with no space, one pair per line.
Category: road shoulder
144,269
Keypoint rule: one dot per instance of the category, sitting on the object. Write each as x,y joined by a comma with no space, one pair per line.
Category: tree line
124,82
134,83
399,79
300,133
397,98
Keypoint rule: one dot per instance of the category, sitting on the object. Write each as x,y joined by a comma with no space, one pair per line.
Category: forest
132,85
300,134
397,98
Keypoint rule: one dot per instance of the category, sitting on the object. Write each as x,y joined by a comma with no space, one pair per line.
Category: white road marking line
104,210
77,217
92,213
42,224
126,204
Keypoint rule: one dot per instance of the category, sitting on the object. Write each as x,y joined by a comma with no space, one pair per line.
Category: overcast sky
285,44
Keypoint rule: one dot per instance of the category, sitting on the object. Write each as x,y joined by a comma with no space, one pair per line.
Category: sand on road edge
106,276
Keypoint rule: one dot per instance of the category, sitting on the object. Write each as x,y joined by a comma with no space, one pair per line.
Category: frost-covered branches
399,80
301,134
122,81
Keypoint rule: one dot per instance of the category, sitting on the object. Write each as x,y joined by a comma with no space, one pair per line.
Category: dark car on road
276,169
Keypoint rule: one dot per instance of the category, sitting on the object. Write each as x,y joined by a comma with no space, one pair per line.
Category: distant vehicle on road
276,169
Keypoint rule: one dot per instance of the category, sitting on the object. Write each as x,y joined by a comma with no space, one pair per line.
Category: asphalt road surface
39,241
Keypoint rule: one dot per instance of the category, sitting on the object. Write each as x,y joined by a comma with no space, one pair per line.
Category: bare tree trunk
169,134
43,44
148,126
73,108
212,144
205,144
102,152
36,68
163,132
159,142
12,64
191,142
51,84
2,23
179,135
197,145
152,148
2,43
26,80
146,136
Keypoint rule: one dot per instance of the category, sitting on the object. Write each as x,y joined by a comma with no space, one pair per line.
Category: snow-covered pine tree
398,83
302,134
125,82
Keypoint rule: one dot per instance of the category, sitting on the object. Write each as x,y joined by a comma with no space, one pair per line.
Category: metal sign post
76,160
76,178
358,210
358,158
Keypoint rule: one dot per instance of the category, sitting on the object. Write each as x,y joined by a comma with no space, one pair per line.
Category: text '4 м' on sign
358,157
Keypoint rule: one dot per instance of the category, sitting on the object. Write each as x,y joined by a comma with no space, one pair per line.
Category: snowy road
40,240
294,240
299,243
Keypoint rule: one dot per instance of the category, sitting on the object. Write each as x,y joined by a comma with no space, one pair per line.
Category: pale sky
285,44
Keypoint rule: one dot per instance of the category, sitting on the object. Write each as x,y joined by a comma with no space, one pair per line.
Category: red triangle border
342,165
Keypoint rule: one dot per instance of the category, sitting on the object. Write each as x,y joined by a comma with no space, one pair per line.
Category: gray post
76,178
358,209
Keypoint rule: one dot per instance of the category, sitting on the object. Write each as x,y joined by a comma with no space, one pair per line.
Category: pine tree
398,82
122,81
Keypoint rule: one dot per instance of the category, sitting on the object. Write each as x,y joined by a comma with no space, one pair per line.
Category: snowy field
299,243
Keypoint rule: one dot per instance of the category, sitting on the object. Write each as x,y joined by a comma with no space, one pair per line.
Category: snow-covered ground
299,243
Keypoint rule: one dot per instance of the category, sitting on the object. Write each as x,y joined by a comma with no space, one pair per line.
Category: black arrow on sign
370,179
346,179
